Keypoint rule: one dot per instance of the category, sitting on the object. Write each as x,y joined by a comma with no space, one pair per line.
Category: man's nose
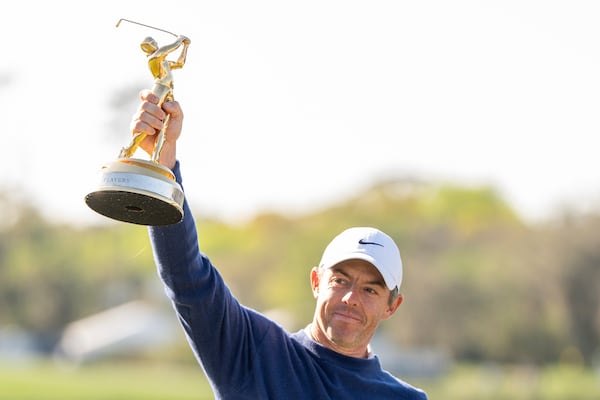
350,297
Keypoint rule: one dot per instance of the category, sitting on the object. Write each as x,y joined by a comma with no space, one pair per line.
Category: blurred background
466,130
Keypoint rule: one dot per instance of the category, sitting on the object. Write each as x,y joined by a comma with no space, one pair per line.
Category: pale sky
294,105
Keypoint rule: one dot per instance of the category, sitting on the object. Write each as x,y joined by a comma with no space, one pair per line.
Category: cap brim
365,257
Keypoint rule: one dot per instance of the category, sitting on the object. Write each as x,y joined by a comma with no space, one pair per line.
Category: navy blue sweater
244,354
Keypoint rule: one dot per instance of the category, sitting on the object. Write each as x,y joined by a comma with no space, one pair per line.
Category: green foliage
479,283
52,274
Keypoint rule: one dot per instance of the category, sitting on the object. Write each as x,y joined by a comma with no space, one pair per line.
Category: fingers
149,119
149,116
147,95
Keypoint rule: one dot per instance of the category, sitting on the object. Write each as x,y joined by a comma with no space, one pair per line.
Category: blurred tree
581,279
478,282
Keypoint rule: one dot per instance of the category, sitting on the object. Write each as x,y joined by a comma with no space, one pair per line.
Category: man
247,356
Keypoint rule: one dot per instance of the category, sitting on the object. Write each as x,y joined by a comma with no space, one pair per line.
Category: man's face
352,299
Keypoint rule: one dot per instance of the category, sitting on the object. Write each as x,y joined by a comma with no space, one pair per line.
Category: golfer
247,356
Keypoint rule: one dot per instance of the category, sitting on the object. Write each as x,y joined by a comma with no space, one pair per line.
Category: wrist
168,156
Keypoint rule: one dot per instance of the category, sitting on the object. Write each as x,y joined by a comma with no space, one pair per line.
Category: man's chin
342,336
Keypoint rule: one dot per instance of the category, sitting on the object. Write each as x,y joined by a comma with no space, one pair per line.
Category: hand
149,120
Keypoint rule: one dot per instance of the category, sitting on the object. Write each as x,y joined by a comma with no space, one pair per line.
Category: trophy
139,191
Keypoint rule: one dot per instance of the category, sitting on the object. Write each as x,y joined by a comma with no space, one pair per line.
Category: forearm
191,281
177,254
222,333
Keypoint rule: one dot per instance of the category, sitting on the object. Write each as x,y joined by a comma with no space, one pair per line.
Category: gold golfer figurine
139,191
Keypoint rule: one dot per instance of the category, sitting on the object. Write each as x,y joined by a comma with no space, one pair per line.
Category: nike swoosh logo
363,241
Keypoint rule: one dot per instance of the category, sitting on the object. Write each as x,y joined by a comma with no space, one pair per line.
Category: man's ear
314,281
394,306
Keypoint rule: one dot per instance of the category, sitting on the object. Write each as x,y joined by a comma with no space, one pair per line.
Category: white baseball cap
368,244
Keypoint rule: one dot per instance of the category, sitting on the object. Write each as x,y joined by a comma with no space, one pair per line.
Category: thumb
175,122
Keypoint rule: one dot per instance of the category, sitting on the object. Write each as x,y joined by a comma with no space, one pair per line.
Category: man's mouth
349,316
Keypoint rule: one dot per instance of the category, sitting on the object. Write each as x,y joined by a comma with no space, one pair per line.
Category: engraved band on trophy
139,191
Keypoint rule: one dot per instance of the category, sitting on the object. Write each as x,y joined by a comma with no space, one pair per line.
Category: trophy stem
160,141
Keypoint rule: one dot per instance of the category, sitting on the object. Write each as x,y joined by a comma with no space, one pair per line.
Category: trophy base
139,192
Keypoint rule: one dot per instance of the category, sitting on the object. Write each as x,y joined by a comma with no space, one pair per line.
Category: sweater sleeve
221,332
